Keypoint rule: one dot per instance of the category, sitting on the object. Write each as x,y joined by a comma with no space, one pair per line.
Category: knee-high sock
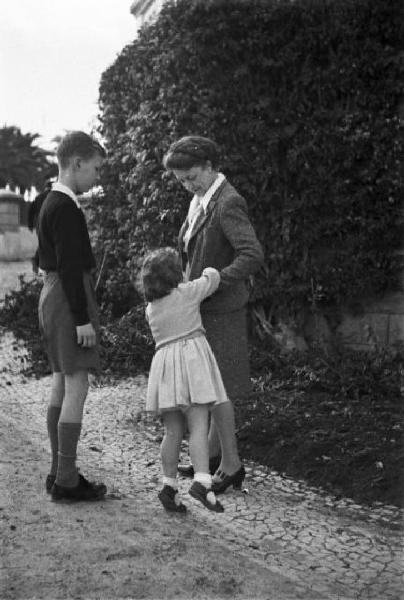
52,420
68,437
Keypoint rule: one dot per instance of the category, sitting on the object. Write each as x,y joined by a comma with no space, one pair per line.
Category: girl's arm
204,286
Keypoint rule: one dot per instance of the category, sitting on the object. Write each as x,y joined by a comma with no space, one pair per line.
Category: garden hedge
303,98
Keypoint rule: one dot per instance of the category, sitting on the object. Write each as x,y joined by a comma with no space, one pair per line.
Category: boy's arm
66,230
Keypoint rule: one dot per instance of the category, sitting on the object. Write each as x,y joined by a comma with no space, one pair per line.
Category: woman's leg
170,446
224,421
198,424
214,441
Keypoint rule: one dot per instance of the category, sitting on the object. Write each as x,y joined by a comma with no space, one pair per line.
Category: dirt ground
124,547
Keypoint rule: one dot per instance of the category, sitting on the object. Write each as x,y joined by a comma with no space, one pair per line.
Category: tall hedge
303,97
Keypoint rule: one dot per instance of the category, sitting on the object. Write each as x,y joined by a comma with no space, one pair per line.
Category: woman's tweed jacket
224,239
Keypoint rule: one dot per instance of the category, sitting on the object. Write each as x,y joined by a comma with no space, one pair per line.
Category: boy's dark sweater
64,246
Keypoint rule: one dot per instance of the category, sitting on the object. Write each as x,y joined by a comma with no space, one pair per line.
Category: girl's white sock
171,481
205,479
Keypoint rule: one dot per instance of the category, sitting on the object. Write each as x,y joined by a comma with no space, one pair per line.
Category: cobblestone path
343,550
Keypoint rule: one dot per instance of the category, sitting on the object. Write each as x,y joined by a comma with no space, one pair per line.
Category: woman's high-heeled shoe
227,480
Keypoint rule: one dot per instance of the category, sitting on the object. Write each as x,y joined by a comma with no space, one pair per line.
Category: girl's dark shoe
84,491
199,492
227,480
188,470
168,499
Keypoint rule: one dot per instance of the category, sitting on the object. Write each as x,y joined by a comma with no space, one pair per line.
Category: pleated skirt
183,373
227,336
58,328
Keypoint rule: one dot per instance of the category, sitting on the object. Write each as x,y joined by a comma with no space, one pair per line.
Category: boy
68,311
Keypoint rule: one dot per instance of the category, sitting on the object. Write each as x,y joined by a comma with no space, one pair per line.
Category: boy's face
87,172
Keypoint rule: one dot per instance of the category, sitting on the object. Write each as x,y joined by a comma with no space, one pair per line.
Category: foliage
22,163
18,313
303,97
126,343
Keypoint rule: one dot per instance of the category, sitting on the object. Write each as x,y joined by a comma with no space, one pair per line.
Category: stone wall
380,324
17,245
375,323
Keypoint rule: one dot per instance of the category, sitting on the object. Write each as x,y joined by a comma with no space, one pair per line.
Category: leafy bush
127,346
19,314
126,343
303,97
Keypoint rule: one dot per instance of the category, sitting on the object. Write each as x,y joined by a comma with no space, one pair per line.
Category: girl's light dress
184,370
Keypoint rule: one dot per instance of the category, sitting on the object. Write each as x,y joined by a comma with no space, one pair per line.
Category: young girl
184,380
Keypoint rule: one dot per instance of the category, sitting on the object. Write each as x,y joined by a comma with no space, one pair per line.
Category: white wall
17,245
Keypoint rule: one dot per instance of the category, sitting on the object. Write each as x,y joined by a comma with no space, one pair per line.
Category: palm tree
22,163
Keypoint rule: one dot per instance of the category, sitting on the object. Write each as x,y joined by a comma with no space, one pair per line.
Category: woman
217,233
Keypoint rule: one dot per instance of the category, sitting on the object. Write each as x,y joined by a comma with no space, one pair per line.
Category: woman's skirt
183,373
58,328
227,336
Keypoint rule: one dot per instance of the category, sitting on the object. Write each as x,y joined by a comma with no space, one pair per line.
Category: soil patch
349,448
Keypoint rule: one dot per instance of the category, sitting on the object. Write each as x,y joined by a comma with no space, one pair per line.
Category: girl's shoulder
159,303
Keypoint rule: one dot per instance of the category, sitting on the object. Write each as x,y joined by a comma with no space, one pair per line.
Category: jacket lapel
204,215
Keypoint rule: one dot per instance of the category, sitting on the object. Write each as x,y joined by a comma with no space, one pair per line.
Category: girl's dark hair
161,272
78,143
191,151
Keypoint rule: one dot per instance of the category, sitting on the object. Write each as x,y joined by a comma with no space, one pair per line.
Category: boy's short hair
78,143
161,273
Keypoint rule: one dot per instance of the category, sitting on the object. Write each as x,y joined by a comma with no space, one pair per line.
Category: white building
145,10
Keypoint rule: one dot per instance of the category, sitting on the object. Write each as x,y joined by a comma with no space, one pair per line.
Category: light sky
52,55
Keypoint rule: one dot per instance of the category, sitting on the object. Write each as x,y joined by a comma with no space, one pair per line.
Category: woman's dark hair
161,272
191,151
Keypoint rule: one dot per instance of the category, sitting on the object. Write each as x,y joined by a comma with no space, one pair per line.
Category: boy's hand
86,337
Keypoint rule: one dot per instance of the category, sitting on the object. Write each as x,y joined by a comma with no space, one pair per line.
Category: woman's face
196,180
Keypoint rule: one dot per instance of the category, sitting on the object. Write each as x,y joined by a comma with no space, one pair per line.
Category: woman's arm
240,233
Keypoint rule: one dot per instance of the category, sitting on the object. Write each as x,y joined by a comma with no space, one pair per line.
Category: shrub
302,96
18,313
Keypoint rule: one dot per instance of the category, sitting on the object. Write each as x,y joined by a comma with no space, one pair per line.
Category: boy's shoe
50,480
168,499
85,491
201,493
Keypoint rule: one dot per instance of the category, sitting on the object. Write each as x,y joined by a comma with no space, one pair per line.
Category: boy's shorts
59,330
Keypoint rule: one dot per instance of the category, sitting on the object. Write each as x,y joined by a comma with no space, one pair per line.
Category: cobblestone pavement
344,550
